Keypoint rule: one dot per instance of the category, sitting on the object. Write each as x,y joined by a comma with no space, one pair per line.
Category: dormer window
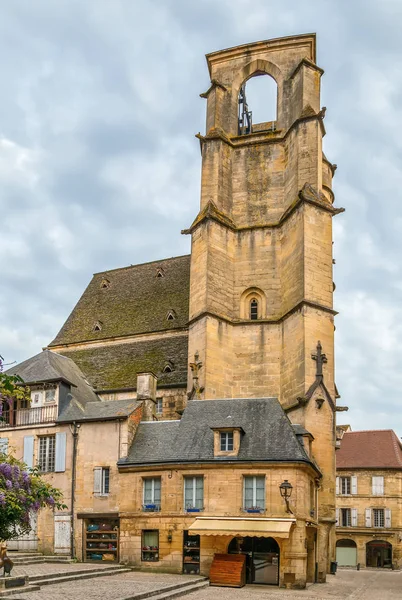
105,284
254,309
160,272
98,326
226,441
169,367
171,316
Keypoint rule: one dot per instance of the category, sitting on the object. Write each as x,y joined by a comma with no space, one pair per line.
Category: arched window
258,104
254,309
253,304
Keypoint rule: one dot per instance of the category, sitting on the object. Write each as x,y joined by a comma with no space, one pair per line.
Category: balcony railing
28,416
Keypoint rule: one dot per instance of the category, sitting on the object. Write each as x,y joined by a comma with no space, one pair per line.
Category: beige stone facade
369,499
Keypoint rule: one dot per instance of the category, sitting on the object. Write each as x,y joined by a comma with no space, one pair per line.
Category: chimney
146,392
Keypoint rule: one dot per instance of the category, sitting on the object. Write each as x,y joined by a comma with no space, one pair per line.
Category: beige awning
279,528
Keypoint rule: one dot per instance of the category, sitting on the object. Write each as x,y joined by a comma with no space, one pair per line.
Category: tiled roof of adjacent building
267,434
116,366
376,449
49,366
129,301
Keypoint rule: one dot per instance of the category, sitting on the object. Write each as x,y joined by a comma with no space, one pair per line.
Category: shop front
254,539
101,538
379,554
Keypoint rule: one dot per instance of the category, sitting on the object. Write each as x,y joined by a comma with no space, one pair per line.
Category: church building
214,372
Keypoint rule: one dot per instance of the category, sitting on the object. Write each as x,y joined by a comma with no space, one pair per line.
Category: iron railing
28,416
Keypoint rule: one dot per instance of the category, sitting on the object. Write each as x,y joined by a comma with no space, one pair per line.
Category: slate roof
113,367
372,449
135,301
98,411
268,434
49,366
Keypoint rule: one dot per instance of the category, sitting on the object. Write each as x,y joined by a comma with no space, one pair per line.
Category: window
253,309
150,545
152,494
47,453
98,326
378,517
105,284
171,316
254,493
50,396
194,493
159,406
226,441
101,481
377,486
345,486
345,517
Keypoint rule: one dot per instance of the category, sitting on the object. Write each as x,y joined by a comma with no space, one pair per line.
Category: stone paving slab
114,587
64,568
345,585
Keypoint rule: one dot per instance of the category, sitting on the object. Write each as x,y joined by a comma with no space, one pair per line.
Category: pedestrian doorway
379,554
346,553
262,558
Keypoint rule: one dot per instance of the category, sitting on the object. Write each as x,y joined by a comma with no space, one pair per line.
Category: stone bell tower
261,306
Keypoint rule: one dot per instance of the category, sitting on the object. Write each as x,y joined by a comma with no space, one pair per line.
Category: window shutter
378,486
354,517
337,485
60,462
157,490
4,445
28,450
354,484
337,517
387,517
97,480
368,517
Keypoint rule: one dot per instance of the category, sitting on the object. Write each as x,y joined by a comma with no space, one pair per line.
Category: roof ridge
369,431
104,272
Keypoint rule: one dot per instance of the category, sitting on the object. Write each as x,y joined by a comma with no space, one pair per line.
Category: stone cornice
308,194
214,83
305,62
276,321
266,137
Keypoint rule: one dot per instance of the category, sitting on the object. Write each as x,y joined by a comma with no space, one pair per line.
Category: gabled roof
112,367
268,434
130,301
48,366
98,411
372,449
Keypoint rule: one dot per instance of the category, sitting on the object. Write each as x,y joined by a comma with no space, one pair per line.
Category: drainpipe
74,432
317,491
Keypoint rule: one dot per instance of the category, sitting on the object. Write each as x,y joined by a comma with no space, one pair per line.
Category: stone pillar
146,392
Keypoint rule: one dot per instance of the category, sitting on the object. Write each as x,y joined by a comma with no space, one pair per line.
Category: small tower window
253,309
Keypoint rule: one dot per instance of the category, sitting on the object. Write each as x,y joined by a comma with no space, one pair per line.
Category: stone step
172,591
53,578
21,590
32,560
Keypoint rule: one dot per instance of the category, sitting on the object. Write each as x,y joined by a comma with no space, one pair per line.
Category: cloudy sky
99,167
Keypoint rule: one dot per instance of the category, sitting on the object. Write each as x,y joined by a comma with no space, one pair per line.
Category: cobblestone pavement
345,585
48,568
114,587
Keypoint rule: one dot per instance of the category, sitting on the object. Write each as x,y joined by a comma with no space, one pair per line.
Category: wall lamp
169,536
286,491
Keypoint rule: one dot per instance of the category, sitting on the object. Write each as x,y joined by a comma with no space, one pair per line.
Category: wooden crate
228,570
